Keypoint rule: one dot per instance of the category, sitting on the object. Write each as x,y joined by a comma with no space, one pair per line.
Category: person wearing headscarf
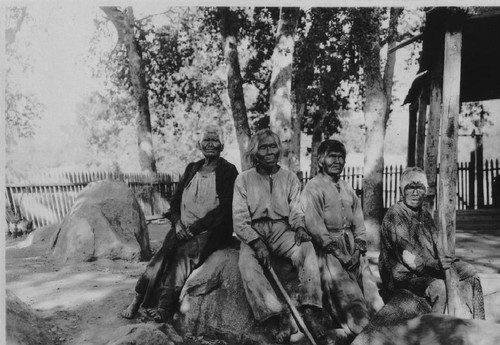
412,255
201,224
264,199
334,218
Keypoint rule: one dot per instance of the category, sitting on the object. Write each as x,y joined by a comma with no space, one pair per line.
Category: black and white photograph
217,173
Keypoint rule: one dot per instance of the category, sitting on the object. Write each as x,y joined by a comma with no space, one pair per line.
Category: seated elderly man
334,218
264,199
201,224
412,255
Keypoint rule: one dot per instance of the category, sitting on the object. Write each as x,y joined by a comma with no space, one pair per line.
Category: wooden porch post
412,133
432,140
448,173
422,119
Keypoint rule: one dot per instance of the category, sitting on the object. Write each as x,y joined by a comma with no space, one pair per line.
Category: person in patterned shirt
412,255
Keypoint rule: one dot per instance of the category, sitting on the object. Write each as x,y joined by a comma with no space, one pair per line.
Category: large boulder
405,320
214,305
40,238
105,221
213,301
435,329
23,326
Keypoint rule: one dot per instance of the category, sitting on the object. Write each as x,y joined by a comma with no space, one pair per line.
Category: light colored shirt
328,208
264,197
198,198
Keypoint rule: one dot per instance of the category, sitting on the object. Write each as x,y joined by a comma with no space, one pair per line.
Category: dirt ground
83,302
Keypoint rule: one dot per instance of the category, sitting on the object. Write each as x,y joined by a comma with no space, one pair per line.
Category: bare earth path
84,301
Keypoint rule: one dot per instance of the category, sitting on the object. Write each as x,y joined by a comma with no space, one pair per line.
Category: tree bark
125,26
229,31
299,109
282,119
378,96
317,138
11,33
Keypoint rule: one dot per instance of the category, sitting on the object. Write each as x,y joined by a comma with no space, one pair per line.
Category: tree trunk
11,33
317,138
378,95
229,31
282,119
125,24
299,110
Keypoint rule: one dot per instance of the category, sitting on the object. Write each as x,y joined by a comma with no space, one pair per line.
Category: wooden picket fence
477,187
46,198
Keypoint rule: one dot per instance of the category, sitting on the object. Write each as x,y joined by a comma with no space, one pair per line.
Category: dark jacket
219,220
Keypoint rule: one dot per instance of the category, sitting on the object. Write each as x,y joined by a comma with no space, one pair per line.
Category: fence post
472,179
487,182
479,171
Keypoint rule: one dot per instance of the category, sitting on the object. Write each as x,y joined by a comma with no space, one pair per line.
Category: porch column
432,140
448,173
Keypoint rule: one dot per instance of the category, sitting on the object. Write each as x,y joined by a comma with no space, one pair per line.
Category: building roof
480,71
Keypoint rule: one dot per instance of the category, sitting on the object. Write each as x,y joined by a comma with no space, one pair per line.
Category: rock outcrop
434,329
404,320
214,305
23,326
105,221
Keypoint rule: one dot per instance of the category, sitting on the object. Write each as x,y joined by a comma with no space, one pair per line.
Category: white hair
212,128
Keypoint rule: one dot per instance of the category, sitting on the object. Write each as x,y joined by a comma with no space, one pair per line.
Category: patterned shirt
409,245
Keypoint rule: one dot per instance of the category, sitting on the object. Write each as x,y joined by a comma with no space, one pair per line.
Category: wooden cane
295,312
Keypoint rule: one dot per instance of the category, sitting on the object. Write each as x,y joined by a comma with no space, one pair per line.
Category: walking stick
295,312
